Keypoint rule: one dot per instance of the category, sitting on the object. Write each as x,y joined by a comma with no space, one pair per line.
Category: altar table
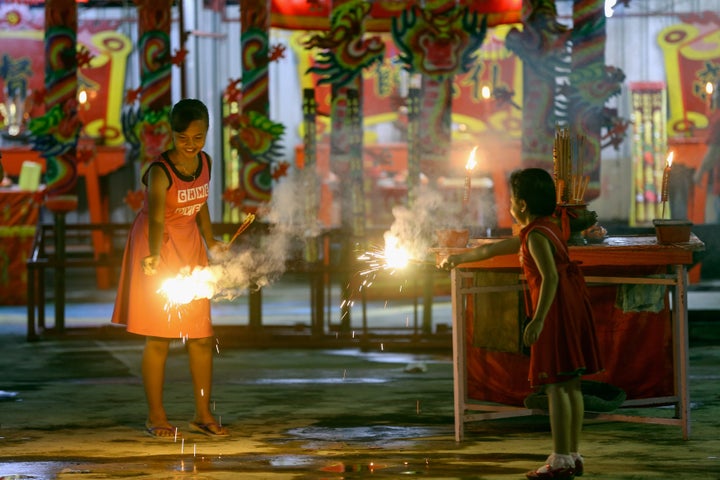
103,161
19,212
645,352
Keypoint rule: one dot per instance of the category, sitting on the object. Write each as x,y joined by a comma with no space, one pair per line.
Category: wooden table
617,261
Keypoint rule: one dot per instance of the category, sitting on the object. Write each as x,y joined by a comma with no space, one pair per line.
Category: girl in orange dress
172,231
561,331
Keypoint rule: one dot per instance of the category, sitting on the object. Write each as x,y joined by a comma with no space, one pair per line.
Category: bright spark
393,257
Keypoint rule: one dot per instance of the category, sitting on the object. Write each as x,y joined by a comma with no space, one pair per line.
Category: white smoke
414,225
289,223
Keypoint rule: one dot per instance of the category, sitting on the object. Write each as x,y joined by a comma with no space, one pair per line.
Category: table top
108,158
631,250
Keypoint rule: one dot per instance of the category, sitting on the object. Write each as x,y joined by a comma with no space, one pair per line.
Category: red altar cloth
19,212
636,349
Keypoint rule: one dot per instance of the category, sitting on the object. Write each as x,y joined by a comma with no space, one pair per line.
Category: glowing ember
186,287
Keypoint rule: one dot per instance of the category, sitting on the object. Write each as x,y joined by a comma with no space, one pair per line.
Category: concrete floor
72,407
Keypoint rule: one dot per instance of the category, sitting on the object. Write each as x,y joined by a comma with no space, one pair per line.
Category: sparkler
201,282
392,258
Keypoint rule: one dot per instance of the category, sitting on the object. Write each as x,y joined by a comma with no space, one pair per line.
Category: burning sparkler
202,282
391,258
188,286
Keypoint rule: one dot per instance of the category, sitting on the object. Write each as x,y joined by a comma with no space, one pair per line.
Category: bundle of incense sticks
570,183
243,226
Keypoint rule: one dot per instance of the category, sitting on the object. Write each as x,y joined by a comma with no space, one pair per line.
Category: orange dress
567,346
138,304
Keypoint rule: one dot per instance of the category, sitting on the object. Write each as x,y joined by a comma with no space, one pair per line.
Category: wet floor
73,408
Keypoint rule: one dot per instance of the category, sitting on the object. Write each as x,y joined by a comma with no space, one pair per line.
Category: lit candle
709,89
469,167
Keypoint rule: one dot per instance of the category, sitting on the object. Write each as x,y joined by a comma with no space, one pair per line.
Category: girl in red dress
560,332
172,231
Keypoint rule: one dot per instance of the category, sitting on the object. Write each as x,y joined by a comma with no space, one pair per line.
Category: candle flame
186,287
471,163
709,88
670,159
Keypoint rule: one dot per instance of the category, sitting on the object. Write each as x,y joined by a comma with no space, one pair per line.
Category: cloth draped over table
635,345
19,212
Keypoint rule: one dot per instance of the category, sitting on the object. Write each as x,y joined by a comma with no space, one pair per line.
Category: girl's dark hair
186,111
537,188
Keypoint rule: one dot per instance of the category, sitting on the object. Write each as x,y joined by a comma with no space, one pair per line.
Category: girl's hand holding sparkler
447,263
150,264
217,249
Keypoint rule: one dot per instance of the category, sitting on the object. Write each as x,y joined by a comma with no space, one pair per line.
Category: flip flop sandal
164,433
206,429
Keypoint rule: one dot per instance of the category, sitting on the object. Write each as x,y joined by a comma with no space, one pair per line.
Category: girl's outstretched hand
532,332
448,263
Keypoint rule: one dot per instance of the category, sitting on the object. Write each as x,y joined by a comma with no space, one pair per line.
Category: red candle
666,178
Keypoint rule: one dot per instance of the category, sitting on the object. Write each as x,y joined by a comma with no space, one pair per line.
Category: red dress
567,345
138,305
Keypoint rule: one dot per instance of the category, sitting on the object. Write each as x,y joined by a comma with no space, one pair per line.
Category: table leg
31,284
60,272
458,341
681,348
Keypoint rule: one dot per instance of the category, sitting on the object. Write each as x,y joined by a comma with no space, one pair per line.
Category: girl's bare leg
561,417
577,406
153,373
200,353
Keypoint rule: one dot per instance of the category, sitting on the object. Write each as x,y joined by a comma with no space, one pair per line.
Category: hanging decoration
313,15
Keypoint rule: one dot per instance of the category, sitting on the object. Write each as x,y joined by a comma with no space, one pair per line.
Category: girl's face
518,210
189,143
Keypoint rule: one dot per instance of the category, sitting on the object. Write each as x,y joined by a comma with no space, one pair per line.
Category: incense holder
453,238
672,231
